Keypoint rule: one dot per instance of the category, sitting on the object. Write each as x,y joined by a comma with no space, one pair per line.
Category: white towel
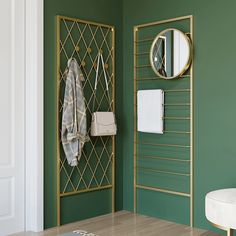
150,110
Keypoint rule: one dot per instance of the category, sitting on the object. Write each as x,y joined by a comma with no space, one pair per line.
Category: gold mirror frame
189,59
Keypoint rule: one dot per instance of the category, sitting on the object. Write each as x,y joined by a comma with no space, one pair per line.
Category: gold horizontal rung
66,18
176,132
137,27
162,171
143,66
156,77
148,78
85,190
144,40
165,158
170,104
172,131
176,90
142,53
163,190
176,118
177,104
164,145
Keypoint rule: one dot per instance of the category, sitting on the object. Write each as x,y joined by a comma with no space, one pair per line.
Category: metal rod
84,21
176,118
85,191
135,123
230,232
165,145
176,90
164,21
191,136
162,171
142,53
142,66
176,132
173,131
163,190
165,158
157,78
177,104
58,18
148,78
113,137
144,40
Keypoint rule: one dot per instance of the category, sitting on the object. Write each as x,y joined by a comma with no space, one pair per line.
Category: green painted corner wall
102,11
214,93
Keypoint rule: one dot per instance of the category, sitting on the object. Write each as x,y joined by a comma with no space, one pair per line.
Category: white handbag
103,122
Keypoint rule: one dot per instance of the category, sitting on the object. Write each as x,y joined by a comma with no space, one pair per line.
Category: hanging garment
74,124
150,110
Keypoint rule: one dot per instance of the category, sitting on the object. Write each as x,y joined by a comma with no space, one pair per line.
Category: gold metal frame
190,132
230,232
187,63
108,170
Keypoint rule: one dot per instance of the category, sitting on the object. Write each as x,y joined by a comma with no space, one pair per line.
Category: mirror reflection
170,53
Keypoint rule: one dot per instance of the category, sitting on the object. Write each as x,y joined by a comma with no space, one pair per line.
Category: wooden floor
125,224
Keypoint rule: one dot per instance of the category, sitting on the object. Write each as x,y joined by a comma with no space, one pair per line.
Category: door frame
34,37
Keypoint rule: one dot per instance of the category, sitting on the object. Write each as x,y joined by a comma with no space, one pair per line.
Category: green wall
102,11
214,93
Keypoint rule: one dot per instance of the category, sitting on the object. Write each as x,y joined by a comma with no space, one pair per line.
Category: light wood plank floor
125,224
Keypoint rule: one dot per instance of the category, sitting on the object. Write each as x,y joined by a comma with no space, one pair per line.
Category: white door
12,121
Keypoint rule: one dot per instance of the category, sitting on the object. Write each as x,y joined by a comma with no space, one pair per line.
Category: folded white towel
150,110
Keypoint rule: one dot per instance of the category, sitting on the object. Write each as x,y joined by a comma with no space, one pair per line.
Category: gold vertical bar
57,123
191,132
135,121
230,232
113,138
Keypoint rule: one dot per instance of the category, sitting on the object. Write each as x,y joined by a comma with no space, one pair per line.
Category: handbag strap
100,58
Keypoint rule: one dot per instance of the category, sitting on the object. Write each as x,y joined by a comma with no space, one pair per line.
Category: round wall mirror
170,54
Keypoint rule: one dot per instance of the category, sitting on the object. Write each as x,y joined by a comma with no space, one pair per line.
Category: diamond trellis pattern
83,41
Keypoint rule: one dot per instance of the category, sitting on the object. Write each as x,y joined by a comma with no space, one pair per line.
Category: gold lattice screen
83,41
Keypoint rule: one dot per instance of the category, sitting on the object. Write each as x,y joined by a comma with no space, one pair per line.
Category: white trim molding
34,115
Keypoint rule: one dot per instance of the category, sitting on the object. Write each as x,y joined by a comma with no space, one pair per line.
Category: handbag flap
104,118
